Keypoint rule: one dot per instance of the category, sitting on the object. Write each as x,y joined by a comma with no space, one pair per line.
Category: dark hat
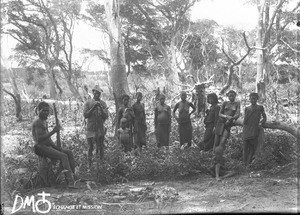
97,88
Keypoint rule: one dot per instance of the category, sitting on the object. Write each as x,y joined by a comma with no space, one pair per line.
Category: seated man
44,146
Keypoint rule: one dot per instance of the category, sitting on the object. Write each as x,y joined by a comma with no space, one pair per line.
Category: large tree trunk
72,87
52,89
118,77
277,125
17,100
15,94
260,72
173,76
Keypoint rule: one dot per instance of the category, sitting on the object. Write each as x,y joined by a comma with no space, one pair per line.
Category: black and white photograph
149,106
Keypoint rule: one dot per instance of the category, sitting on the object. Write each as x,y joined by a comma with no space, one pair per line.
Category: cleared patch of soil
246,193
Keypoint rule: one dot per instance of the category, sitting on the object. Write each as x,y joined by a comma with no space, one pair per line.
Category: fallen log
295,131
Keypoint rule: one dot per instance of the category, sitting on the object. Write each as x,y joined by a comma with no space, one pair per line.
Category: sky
224,12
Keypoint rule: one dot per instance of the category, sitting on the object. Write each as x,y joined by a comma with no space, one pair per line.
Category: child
124,135
218,170
251,128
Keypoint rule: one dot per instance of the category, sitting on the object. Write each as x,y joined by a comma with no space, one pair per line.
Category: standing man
95,111
251,128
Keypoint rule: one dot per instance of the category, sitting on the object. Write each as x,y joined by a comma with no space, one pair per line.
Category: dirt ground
253,192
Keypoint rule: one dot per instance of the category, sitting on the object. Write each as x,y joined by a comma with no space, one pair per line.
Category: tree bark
15,94
260,70
18,107
173,76
118,76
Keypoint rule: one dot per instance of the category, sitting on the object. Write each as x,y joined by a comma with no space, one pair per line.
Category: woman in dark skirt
162,122
184,119
229,113
210,121
140,126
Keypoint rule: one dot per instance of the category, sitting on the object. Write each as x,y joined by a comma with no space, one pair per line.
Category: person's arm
174,111
216,117
104,110
155,117
193,108
86,111
118,134
170,117
119,116
245,115
144,116
238,111
222,110
131,112
263,121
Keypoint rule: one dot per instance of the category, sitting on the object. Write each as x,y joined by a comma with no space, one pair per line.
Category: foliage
279,149
44,35
151,164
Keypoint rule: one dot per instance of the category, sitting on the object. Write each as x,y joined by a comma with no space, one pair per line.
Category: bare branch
288,45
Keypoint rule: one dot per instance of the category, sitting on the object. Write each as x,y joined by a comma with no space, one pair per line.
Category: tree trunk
73,89
53,93
56,83
71,86
118,77
15,94
18,107
200,98
173,76
277,125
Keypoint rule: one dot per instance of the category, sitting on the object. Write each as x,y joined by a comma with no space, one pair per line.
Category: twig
288,45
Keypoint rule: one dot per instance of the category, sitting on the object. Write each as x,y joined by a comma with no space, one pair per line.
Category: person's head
97,92
183,96
125,99
253,98
212,98
43,110
139,96
231,95
162,99
123,122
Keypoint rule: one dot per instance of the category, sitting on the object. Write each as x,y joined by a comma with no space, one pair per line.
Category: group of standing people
218,123
131,127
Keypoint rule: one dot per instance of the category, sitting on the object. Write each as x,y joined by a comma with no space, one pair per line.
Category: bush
20,166
279,149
